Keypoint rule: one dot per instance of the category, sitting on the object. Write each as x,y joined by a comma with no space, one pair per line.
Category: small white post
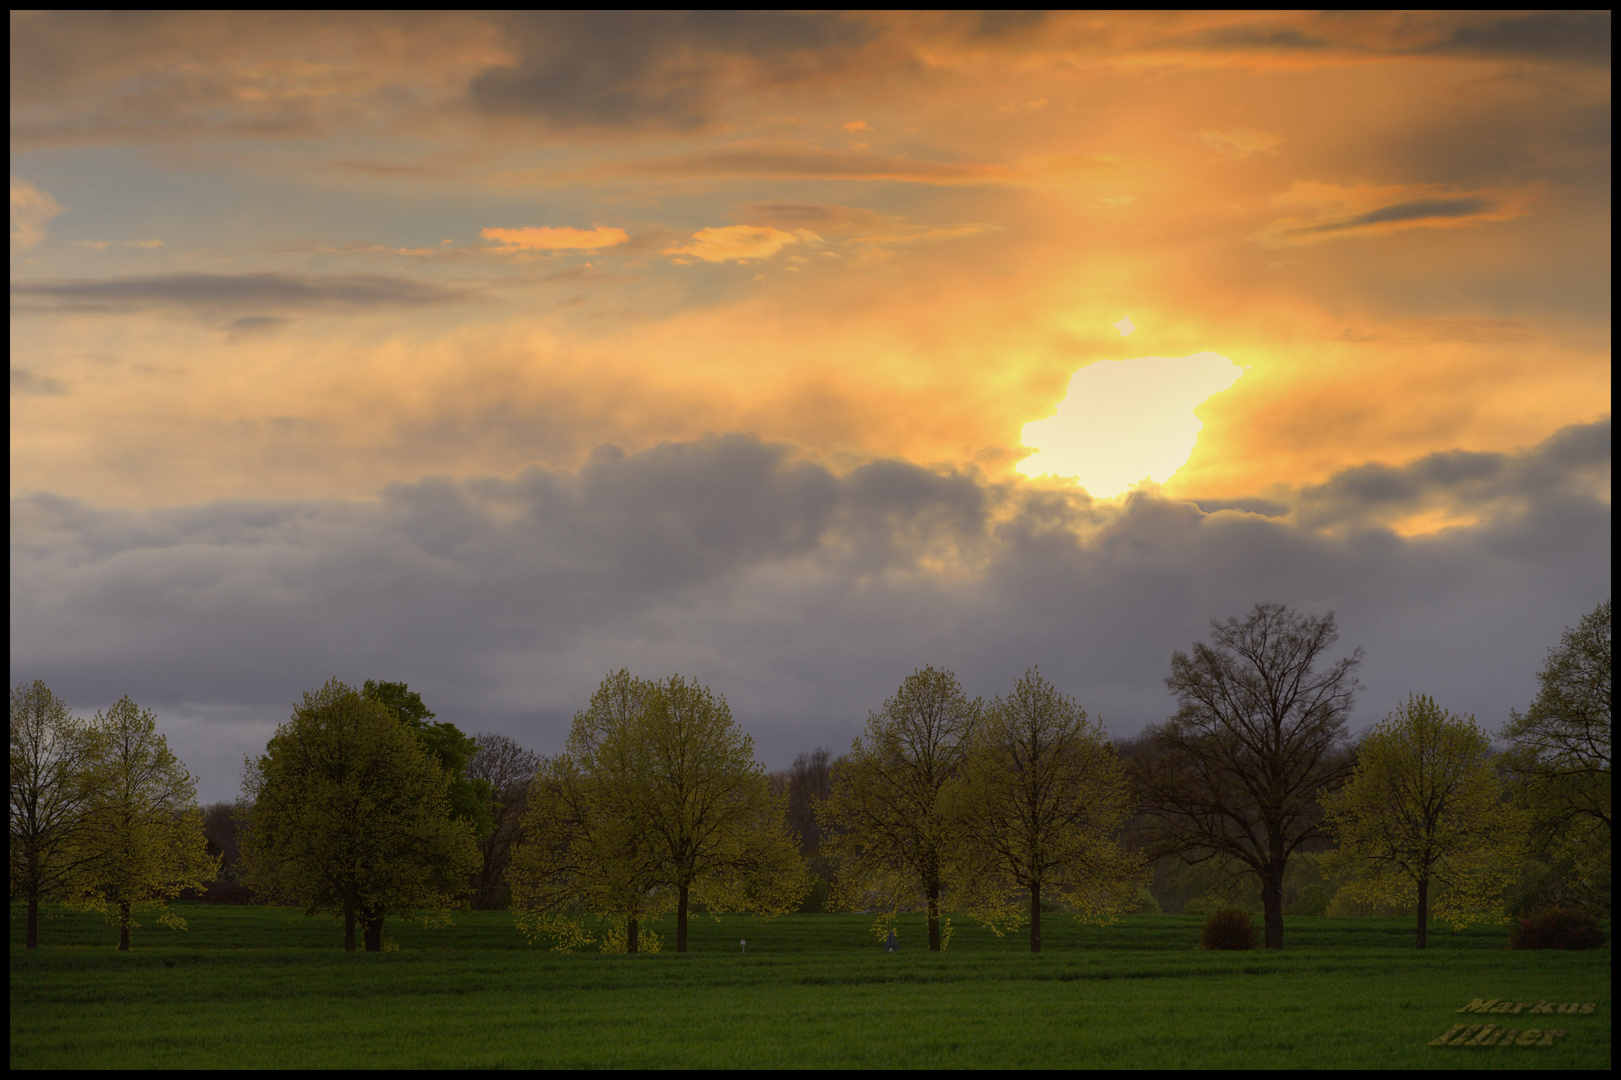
745,945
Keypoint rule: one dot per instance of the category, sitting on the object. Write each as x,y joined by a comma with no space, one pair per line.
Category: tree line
366,808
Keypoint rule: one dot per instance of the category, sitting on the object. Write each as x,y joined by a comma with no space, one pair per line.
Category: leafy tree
716,833
145,841
884,826
469,796
805,783
1236,774
584,847
1560,752
350,813
1037,808
51,753
1424,813
507,769
657,802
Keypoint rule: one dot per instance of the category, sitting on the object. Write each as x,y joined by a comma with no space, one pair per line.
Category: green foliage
1557,928
1423,817
657,804
1560,754
351,815
885,826
51,798
144,840
1034,813
1228,929
469,798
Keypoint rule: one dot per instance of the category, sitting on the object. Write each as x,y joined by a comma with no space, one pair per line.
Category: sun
1123,422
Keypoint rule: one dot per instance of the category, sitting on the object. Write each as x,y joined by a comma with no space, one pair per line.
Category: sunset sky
495,352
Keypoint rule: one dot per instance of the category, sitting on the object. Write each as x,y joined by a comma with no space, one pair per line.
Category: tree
145,841
658,802
51,754
349,813
469,799
805,783
1424,813
1236,774
469,796
883,825
507,769
584,846
1037,808
1560,752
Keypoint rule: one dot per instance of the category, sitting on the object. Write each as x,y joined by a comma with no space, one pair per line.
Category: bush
1557,928
1228,929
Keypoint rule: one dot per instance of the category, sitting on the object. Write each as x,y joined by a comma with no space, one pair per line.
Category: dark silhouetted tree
1236,775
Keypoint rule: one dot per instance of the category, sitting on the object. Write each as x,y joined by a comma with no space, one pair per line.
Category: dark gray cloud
1582,36
227,294
619,69
803,595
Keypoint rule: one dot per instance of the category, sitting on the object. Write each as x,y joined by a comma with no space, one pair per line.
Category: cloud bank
803,594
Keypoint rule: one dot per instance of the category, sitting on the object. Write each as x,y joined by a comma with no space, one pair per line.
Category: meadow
247,987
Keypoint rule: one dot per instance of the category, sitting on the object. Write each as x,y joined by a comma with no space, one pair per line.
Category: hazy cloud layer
225,293
803,594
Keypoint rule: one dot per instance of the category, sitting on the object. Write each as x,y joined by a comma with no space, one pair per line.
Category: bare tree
508,768
1235,776
807,780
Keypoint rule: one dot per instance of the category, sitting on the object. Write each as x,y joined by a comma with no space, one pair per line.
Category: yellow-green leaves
885,825
1035,812
1423,818
657,804
144,842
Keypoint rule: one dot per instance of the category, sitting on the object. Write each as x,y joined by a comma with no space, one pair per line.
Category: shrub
1228,929
1557,928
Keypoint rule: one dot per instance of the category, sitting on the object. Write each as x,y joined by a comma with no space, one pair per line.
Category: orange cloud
558,239
1240,142
740,243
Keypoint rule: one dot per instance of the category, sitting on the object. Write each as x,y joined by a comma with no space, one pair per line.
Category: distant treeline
1253,793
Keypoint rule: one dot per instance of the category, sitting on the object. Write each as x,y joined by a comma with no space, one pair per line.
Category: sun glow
1126,421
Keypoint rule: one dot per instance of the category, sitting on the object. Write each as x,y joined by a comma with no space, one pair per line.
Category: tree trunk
934,916
349,922
1035,917
1272,905
123,926
630,935
1423,909
33,920
374,929
681,921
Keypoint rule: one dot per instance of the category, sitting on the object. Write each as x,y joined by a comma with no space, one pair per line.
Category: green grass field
256,987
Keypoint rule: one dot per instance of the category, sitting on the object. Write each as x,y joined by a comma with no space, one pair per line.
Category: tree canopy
885,827
1036,809
1259,734
51,798
1423,818
144,842
351,815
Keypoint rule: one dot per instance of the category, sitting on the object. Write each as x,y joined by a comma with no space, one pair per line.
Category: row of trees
103,816
365,807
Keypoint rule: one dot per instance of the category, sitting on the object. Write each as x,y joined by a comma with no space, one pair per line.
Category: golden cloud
740,243
556,239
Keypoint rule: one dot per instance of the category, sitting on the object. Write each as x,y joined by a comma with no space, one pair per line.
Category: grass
256,987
